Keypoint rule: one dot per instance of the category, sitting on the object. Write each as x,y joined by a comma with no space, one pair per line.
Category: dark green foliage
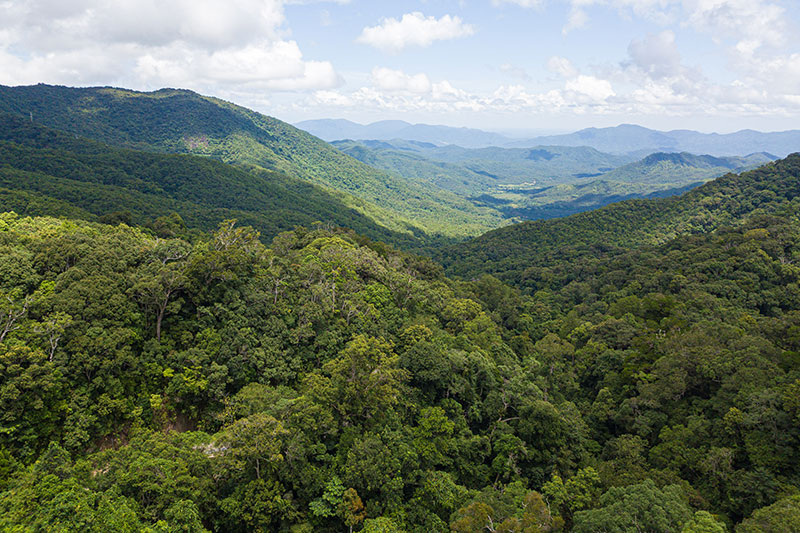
328,381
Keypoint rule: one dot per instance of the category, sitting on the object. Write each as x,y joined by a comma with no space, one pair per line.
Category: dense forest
48,172
329,382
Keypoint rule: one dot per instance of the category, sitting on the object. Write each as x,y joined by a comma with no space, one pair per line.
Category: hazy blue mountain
333,130
623,139
628,138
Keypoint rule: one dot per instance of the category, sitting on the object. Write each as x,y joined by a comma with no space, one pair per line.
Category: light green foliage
636,508
380,525
703,522
327,505
783,515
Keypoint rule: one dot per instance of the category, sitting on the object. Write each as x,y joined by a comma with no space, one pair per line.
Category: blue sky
536,65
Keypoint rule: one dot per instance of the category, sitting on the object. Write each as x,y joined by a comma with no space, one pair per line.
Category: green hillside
509,252
180,121
544,182
676,169
47,172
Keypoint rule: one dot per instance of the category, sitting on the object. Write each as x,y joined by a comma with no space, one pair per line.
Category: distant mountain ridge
485,167
341,129
683,167
622,139
627,138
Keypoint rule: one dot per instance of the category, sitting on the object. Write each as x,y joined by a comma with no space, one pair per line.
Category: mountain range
622,139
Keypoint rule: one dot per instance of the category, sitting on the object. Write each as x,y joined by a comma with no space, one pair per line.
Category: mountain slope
683,168
180,121
48,172
544,181
508,252
413,165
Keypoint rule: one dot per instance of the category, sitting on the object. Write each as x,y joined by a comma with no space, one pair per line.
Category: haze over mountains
622,139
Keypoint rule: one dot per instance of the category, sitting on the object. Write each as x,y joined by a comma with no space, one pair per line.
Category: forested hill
48,172
508,252
329,382
181,121
683,168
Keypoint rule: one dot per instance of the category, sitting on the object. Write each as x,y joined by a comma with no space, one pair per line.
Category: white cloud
758,21
203,44
413,29
594,88
515,71
391,80
577,19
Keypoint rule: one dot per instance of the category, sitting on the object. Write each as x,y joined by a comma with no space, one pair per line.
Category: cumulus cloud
758,21
396,80
595,88
203,44
413,29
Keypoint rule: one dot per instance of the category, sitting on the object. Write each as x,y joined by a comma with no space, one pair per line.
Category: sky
504,65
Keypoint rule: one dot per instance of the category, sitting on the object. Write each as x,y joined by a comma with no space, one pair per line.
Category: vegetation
509,252
544,181
641,371
179,121
47,172
483,168
329,382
